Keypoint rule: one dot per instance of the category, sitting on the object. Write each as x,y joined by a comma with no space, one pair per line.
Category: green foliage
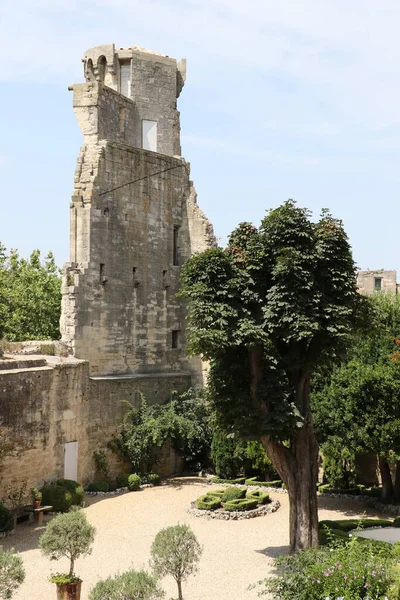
30,296
6,518
226,455
357,404
98,486
261,497
63,579
100,461
131,585
184,419
133,482
74,488
253,481
208,502
69,535
239,480
233,493
175,551
351,570
396,522
16,494
240,504
152,479
12,573
218,493
350,524
122,480
36,495
57,497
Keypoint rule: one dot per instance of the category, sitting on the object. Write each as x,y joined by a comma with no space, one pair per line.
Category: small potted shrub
36,497
69,535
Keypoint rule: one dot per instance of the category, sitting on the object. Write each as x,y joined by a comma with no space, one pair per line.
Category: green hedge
253,481
122,480
98,486
396,522
347,525
240,504
208,502
56,496
74,488
6,518
260,496
239,480
216,493
133,482
152,478
233,493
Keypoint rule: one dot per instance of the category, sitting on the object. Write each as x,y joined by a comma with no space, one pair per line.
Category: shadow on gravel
349,508
179,482
274,551
26,537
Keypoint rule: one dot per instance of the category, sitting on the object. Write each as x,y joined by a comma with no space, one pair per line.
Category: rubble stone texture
134,221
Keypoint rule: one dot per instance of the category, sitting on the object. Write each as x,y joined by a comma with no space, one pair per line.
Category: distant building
370,282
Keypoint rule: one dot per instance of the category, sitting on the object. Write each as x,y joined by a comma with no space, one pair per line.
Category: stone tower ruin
134,218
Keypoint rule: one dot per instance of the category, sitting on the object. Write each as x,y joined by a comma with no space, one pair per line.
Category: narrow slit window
102,276
175,338
175,257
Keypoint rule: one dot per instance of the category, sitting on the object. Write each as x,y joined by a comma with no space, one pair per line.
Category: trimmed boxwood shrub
253,481
396,522
239,480
240,504
347,525
151,478
233,493
98,486
260,496
208,502
74,488
6,518
56,496
122,480
217,493
133,482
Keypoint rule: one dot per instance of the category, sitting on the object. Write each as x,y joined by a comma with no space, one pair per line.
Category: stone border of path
226,515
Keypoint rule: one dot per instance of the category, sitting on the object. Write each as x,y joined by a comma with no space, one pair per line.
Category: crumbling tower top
152,81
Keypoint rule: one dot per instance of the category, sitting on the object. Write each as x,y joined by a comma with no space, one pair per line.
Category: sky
283,99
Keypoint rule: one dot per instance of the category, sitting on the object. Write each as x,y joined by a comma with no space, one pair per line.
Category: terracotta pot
69,591
36,503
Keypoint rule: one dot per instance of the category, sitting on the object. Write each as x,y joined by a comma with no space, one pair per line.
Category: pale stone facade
134,221
380,280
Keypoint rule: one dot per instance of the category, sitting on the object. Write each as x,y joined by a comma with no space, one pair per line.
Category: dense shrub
260,496
74,488
12,573
396,522
350,524
6,518
130,585
208,502
57,496
122,480
240,504
232,493
151,478
253,481
353,570
226,455
98,486
133,482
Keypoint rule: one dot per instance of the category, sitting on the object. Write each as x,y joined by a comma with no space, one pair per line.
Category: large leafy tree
30,296
357,405
266,311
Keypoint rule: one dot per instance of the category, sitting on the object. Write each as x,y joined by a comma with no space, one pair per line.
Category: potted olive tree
69,535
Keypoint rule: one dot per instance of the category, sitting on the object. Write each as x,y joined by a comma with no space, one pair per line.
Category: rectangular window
175,338
149,135
377,284
125,82
175,255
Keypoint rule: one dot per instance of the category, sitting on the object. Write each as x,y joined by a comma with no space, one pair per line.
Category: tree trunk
396,494
71,567
298,464
387,483
180,597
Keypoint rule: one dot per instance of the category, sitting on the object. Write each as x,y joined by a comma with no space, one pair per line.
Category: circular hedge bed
233,503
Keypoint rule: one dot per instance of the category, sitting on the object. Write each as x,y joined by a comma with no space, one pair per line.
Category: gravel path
236,553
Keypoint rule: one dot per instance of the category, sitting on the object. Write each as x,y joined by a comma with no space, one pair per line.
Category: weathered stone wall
48,406
366,281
